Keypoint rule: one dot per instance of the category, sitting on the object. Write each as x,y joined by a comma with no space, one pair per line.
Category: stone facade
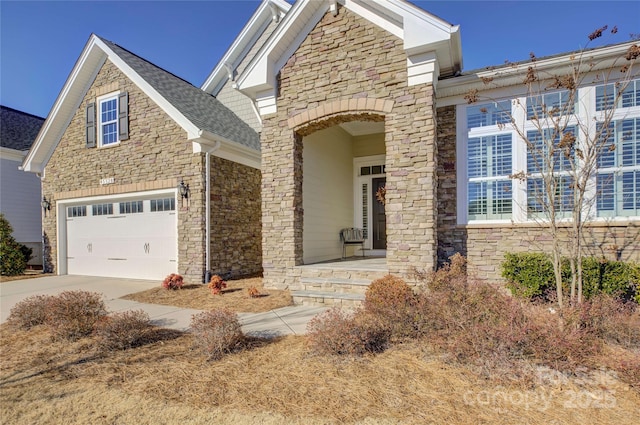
350,69
235,219
157,155
485,245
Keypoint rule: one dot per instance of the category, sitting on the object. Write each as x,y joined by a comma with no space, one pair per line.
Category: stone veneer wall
485,245
451,238
157,155
350,62
235,218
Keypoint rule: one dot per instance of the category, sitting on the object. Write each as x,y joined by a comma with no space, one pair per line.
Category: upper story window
107,120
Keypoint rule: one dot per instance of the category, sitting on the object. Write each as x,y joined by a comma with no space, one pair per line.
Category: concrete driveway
282,321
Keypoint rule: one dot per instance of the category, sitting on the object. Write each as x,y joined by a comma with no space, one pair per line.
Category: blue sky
40,41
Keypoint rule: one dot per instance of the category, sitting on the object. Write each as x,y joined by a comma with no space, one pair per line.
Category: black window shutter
123,116
91,125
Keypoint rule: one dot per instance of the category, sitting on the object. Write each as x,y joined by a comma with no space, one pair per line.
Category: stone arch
338,111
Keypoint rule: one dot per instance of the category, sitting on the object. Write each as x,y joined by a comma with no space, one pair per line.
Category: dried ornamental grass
29,312
216,332
216,285
336,332
124,330
173,281
73,314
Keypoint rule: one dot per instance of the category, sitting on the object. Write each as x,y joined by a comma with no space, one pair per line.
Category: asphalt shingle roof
18,130
199,107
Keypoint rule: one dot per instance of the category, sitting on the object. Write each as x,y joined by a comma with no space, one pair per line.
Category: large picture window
489,166
618,177
515,171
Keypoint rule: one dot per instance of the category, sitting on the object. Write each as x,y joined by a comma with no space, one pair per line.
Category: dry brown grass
28,275
235,297
277,382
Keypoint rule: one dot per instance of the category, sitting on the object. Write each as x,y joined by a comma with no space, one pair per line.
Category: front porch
337,282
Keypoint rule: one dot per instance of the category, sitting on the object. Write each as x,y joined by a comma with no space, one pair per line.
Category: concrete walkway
283,321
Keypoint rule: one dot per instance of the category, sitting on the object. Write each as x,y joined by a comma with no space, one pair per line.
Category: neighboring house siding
233,99
328,196
23,212
157,155
345,58
235,218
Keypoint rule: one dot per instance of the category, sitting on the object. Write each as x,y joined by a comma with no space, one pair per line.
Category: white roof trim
504,76
227,149
420,31
12,154
94,55
258,23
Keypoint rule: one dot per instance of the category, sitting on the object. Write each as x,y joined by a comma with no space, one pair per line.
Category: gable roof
425,37
268,11
18,129
207,122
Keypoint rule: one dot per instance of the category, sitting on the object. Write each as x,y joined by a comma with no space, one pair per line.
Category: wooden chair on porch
351,236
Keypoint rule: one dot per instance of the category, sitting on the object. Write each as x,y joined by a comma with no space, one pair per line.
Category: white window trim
586,105
99,101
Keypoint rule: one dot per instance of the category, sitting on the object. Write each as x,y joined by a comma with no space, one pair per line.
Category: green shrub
216,332
73,314
336,332
121,331
530,275
29,312
12,258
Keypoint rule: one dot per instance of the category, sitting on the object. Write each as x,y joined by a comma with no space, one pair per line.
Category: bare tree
565,148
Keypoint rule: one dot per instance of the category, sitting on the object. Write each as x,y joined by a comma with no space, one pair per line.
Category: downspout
206,276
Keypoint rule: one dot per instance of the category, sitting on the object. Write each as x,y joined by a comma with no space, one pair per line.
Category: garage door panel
140,245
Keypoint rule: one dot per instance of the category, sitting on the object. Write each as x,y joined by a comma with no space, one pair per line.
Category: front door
379,220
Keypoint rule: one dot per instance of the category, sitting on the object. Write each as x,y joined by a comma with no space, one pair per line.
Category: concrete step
327,298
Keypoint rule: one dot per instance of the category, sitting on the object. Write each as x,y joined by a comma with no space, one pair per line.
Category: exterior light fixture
46,205
183,190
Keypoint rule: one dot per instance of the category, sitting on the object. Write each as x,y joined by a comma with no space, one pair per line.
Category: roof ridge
148,61
22,112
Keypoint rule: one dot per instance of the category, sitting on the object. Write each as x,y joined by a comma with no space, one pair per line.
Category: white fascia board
164,104
226,148
12,154
513,75
256,76
68,101
254,28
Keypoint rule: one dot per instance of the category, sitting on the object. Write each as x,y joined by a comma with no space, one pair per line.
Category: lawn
283,381
280,382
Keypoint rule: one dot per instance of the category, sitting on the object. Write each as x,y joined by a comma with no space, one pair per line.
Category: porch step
328,299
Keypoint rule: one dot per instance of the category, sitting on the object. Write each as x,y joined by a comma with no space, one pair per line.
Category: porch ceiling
362,128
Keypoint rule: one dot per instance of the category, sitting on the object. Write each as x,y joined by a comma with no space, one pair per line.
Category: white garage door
132,238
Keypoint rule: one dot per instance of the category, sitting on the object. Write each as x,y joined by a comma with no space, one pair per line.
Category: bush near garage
74,314
12,256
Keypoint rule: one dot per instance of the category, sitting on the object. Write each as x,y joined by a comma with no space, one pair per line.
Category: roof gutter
206,275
